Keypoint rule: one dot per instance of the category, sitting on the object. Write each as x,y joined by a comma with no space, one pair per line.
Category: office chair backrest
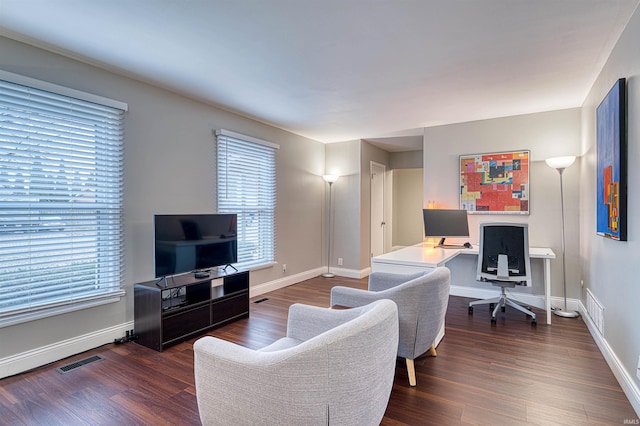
504,253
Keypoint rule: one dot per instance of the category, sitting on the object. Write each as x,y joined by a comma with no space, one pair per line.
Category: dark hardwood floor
507,374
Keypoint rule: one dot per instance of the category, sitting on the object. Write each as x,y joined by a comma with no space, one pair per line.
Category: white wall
407,207
546,135
609,267
352,198
369,153
343,159
168,168
406,160
406,194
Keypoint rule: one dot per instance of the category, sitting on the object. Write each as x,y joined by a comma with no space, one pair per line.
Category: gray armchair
333,367
422,301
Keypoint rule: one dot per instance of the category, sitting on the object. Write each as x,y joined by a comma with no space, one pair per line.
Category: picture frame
611,164
495,183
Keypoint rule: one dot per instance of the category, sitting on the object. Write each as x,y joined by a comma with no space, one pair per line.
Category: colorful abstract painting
611,191
495,182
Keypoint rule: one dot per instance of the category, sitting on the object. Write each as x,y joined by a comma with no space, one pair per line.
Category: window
60,199
246,185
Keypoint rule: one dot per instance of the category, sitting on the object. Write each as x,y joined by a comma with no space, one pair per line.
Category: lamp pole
560,164
330,179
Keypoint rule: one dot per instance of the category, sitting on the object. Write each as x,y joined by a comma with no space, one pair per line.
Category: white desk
425,256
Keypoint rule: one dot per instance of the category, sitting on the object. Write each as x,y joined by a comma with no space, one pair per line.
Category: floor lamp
561,163
330,179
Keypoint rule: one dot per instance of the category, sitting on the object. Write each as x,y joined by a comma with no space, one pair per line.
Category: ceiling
337,70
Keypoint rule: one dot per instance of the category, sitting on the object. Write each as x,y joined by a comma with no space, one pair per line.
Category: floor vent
264,299
77,364
595,311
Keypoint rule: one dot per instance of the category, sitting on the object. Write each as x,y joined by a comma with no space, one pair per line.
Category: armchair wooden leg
432,351
411,371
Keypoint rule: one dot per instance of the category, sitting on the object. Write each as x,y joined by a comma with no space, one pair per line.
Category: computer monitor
443,223
504,253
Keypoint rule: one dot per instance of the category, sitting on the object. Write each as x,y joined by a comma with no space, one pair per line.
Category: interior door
377,208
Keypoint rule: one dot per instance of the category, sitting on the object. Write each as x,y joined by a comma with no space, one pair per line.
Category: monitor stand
441,244
162,280
233,267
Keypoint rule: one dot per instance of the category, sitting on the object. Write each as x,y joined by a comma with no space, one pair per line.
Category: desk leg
547,288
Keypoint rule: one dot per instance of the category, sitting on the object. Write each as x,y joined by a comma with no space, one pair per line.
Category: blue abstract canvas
611,191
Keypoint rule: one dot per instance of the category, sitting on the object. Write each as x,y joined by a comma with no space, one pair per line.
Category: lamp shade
560,162
330,178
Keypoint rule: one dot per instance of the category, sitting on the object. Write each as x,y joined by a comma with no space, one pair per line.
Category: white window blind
246,185
60,202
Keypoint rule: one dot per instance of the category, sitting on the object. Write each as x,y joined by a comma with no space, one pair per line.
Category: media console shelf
188,306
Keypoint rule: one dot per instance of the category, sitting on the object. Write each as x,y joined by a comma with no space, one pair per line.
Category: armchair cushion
334,367
422,301
379,281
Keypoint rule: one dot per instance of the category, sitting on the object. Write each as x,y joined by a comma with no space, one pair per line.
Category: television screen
442,223
196,242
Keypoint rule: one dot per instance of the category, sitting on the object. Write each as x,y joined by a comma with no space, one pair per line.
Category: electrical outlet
638,369
339,261
284,267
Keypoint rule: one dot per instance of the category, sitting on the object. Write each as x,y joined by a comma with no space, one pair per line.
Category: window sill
20,318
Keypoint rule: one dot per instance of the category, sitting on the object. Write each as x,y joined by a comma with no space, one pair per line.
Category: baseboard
294,279
481,293
625,380
352,273
259,289
38,357
536,300
25,361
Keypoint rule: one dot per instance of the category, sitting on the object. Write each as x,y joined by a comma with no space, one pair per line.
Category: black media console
188,306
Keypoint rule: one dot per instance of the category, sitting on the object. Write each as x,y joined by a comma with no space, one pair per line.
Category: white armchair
333,367
422,301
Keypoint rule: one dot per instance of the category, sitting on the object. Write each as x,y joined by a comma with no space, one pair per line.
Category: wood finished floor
507,374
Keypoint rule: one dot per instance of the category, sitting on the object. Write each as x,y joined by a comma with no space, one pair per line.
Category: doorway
377,219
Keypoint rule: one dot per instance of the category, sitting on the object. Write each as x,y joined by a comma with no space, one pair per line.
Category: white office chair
504,261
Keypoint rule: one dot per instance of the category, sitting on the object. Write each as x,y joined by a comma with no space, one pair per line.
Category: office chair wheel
503,308
493,321
470,310
492,306
534,322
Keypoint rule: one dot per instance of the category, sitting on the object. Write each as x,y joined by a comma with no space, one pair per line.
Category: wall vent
77,364
595,311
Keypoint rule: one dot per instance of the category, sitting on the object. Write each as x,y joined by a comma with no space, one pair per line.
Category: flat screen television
194,242
443,223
